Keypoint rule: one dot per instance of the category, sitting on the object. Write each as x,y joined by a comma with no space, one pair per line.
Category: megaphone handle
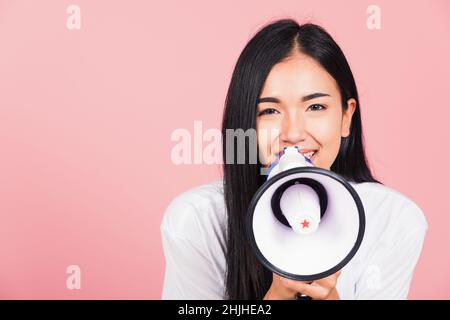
301,296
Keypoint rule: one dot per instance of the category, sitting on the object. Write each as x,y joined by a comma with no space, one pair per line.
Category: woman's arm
189,270
389,269
389,264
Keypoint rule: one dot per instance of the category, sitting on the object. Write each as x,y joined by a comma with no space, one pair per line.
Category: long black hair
246,277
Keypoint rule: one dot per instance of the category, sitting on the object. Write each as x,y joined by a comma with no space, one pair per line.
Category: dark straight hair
246,277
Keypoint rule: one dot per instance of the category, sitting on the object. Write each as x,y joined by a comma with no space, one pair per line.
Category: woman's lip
307,150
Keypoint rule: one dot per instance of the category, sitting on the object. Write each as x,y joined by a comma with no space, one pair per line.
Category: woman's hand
286,289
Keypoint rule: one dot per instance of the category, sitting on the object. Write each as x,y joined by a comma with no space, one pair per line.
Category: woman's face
300,105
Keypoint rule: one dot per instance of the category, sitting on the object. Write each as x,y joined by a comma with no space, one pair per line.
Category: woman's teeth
309,155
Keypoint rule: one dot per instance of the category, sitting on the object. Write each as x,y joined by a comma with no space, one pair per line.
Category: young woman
293,79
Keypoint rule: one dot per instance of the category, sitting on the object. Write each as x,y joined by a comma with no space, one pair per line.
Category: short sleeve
189,272
389,266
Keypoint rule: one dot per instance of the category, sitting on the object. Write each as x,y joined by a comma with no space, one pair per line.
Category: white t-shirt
194,228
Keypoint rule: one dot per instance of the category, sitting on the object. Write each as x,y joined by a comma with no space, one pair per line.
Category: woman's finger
313,290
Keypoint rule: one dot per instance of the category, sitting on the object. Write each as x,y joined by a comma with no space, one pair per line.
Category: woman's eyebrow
304,99
314,95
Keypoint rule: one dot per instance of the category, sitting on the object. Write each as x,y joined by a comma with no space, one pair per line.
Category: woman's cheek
327,134
268,140
263,144
331,149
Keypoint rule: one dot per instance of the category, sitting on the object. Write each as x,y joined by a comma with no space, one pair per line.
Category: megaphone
304,222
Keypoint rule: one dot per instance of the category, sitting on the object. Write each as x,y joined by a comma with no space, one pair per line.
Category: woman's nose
293,130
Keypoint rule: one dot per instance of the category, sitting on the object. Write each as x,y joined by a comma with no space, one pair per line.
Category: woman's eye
267,111
316,107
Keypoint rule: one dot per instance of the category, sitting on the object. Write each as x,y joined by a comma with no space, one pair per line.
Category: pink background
86,118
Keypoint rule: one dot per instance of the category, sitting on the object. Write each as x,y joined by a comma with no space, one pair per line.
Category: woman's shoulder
199,209
386,204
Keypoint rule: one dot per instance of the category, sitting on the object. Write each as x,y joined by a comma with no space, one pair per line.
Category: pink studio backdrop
86,118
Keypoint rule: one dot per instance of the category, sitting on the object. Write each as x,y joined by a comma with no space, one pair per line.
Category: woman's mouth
310,154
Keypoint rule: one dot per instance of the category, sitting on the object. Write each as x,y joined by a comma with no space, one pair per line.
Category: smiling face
300,105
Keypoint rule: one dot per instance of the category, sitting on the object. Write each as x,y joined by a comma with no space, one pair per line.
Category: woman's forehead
299,75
